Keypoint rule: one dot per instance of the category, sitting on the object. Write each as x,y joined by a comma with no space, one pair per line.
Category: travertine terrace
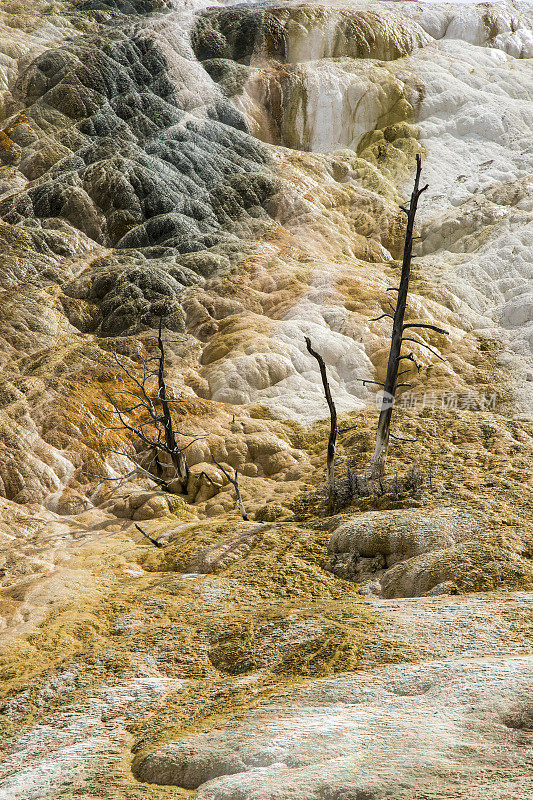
238,169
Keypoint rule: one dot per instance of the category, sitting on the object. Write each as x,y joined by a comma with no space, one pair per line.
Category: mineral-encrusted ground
238,169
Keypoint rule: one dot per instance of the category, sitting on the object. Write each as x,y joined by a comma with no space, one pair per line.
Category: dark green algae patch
113,146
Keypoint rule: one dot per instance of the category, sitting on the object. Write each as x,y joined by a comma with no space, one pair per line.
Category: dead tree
330,460
399,329
150,538
176,453
235,483
142,407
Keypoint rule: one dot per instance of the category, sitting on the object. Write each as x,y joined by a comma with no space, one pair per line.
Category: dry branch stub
360,489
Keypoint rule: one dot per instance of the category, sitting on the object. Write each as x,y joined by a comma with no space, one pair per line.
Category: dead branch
376,319
423,344
235,483
424,325
345,430
412,358
401,438
365,381
139,467
154,541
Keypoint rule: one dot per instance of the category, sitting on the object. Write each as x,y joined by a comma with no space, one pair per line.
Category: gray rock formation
120,149
412,553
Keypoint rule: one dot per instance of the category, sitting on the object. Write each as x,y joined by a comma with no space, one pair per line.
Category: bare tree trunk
389,389
178,458
330,461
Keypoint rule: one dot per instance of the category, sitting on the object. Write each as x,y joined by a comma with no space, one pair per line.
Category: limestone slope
237,169
240,171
